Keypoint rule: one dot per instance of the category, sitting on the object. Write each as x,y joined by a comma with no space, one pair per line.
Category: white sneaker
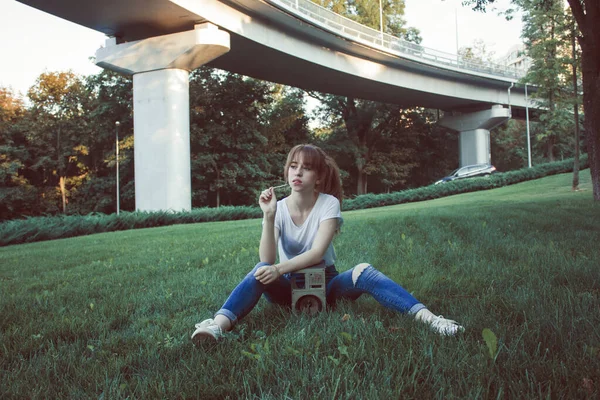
445,326
207,329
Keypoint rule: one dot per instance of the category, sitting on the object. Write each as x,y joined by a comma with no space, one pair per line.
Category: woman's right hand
268,202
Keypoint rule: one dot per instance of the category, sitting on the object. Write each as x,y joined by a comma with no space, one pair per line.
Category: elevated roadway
268,42
293,42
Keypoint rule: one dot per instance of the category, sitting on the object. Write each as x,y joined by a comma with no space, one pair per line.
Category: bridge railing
352,30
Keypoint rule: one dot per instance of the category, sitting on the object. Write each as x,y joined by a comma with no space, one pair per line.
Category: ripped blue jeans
348,285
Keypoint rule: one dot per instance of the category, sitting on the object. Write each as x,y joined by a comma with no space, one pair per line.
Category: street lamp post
527,122
381,21
456,30
117,124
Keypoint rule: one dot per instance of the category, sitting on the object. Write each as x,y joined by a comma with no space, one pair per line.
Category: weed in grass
491,341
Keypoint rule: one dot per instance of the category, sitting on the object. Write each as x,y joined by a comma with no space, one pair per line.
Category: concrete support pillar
474,147
161,122
474,128
161,112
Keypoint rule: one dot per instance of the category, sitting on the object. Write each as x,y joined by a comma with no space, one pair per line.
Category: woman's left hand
267,274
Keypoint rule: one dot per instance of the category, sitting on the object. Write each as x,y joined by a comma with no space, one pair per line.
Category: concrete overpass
293,42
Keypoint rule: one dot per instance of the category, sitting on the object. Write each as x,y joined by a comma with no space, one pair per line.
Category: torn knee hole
356,271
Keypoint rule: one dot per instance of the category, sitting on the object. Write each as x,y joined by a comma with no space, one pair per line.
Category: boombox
308,290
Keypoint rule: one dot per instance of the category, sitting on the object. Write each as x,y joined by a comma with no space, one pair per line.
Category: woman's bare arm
268,240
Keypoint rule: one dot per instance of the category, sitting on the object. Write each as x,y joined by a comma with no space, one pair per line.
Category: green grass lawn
109,315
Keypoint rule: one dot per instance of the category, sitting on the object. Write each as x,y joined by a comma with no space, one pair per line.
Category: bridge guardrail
352,30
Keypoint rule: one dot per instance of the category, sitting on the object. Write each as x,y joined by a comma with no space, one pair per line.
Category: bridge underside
159,42
306,75
303,74
138,19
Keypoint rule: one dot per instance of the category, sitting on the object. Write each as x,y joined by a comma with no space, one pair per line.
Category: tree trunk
587,14
575,110
591,107
576,161
364,159
361,181
63,192
358,121
218,187
550,148
61,171
360,184
218,183
552,100
590,63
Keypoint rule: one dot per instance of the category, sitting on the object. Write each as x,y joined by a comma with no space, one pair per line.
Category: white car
469,171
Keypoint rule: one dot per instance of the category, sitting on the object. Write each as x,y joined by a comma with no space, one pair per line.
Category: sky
33,42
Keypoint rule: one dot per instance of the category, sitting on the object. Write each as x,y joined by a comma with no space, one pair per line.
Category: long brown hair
329,180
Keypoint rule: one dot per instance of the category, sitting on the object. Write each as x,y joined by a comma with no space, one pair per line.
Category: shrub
36,229
462,185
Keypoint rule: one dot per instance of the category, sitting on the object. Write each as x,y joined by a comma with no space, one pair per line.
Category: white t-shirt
295,240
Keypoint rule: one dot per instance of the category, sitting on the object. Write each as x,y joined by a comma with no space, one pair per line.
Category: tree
367,12
382,147
285,122
17,195
509,146
60,105
285,125
400,153
587,15
545,31
366,123
476,53
230,157
112,101
575,61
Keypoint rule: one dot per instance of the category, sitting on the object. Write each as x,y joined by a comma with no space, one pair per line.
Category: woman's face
301,175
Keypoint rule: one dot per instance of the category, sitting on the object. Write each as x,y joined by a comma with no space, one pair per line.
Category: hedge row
462,185
37,229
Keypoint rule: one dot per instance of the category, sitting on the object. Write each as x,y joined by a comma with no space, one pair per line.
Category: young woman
301,228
